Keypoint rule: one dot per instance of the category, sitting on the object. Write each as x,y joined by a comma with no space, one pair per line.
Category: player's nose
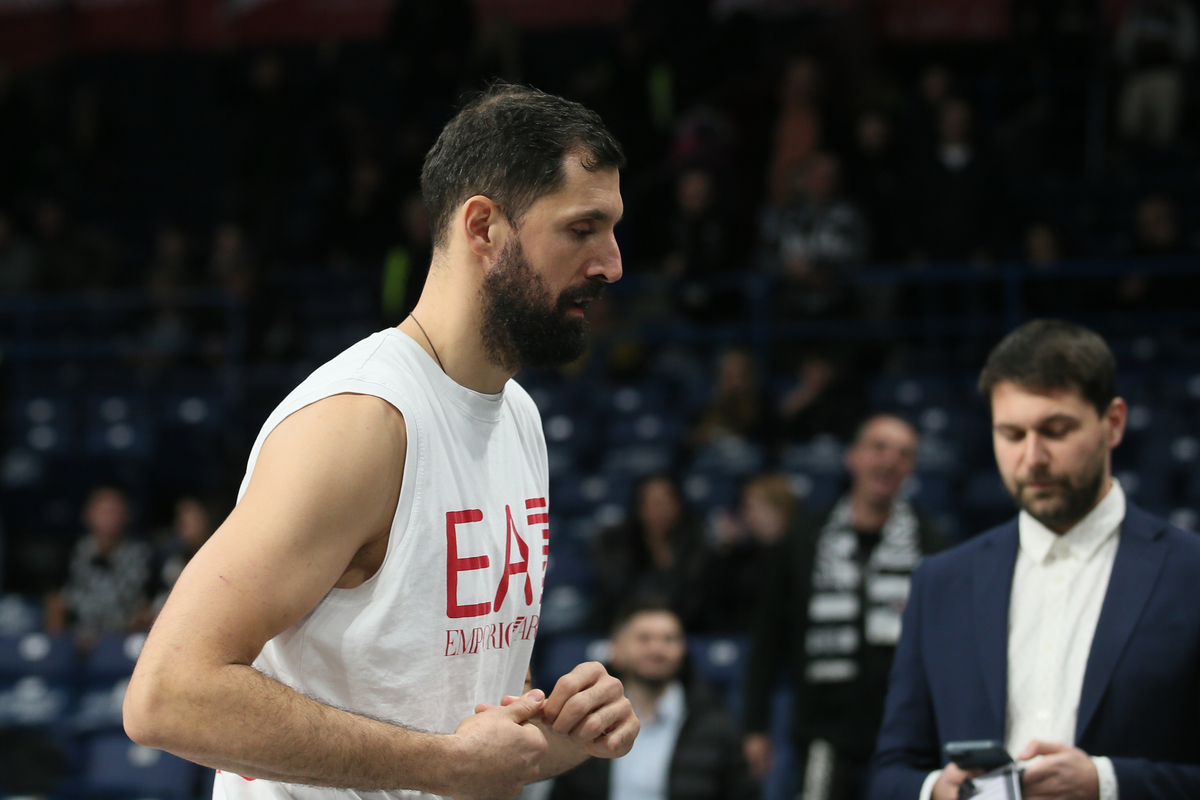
608,265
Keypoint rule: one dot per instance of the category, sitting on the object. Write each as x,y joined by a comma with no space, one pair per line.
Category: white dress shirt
1058,589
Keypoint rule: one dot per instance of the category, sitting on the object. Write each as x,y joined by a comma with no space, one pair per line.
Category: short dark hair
1045,355
872,418
644,603
508,144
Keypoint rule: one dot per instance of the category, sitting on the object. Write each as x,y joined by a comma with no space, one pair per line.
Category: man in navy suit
1072,633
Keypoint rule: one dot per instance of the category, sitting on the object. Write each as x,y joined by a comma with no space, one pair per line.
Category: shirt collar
1084,538
671,705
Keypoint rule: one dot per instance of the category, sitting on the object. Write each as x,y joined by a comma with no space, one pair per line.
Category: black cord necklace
431,347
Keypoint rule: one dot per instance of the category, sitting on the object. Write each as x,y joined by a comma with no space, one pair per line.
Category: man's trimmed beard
1074,501
523,325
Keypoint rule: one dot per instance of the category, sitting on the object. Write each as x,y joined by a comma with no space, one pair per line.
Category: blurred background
833,208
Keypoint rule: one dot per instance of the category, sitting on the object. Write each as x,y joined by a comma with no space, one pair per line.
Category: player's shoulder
517,397
355,419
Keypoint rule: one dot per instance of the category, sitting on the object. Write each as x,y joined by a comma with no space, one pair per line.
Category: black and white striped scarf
852,603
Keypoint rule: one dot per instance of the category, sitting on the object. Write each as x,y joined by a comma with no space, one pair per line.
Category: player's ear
482,222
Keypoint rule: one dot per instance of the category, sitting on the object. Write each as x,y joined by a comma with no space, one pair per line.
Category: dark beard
522,325
1073,505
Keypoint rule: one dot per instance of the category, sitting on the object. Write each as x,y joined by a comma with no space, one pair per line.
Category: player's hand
589,707
946,786
1063,772
757,747
500,749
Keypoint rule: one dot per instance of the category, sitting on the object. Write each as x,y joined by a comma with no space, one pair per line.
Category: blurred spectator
921,112
1155,233
745,544
813,242
1155,41
17,137
1043,252
169,331
658,552
797,127
360,220
1156,228
16,258
823,399
830,613
108,578
699,241
190,529
738,409
1042,246
952,189
68,256
231,264
700,247
84,154
688,748
407,262
267,160
873,183
171,266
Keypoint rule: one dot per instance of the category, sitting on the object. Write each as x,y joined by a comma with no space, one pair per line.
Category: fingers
525,707
1037,747
577,680
585,690
618,741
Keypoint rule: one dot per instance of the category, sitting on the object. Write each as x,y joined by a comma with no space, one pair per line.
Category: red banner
944,20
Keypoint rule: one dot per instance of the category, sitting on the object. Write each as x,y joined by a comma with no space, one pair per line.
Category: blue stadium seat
731,456
113,657
720,661
638,460
99,707
34,701
44,423
560,654
50,657
19,615
823,455
114,764
118,425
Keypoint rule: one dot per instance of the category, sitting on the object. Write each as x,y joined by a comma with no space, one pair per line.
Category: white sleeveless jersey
449,619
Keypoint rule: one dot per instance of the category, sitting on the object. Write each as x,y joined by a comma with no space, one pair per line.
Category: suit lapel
992,587
1135,570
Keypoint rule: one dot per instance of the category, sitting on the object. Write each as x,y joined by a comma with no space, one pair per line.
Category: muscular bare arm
325,485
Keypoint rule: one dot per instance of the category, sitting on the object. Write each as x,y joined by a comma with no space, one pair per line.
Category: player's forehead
886,430
654,622
584,194
1014,405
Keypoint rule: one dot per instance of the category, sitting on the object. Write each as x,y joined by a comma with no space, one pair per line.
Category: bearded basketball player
361,624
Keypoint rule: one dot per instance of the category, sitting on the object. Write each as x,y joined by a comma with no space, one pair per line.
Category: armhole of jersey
414,465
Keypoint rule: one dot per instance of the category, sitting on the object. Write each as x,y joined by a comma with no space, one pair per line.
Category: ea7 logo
514,567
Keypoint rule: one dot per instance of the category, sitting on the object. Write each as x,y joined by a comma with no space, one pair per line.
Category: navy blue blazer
1140,703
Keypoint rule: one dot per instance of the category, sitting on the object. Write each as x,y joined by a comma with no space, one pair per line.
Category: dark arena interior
833,208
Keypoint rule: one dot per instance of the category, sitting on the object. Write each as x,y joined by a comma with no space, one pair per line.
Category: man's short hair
871,419
508,144
648,603
1046,355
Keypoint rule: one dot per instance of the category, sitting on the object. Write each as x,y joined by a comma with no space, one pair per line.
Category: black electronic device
985,754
